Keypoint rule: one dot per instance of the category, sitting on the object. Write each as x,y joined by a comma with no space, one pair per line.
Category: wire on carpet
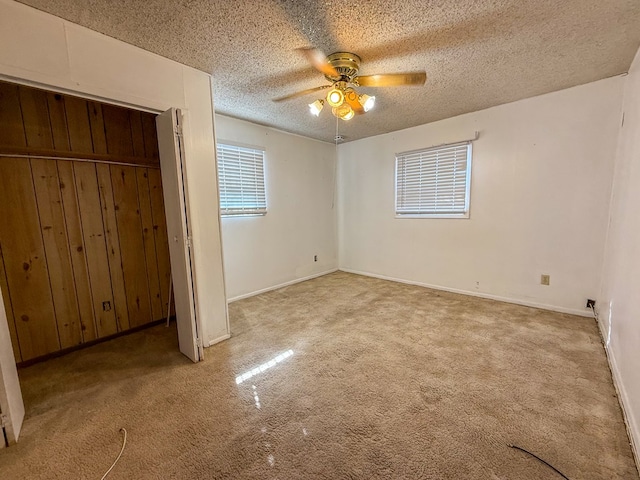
595,314
124,442
543,461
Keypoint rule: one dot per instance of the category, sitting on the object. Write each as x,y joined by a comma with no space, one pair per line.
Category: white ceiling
477,53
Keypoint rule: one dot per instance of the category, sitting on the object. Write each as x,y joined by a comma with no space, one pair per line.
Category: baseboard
90,343
281,285
489,296
219,339
633,429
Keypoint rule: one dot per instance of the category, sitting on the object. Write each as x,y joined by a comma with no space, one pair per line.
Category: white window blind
241,180
434,182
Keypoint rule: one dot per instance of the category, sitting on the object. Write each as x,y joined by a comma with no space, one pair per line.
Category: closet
83,240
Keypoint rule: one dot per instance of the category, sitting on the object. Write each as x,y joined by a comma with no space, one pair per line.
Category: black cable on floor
536,456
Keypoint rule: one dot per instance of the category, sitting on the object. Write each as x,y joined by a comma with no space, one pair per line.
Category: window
241,180
434,182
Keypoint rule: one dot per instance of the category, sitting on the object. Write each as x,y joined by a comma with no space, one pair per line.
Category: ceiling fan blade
392,79
300,94
319,61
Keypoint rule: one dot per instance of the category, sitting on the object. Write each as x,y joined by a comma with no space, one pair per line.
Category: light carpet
345,377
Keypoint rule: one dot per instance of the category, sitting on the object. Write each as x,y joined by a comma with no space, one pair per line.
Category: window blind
241,180
434,181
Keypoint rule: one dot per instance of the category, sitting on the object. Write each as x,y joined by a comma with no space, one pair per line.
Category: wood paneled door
83,240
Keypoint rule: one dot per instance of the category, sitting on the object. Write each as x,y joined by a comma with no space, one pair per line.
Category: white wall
618,302
43,50
262,252
540,191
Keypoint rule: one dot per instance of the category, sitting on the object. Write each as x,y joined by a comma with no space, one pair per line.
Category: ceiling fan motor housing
346,64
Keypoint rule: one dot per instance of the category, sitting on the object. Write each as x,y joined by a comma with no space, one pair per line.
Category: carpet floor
340,377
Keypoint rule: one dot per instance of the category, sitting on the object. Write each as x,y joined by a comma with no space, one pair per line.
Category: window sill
242,215
435,215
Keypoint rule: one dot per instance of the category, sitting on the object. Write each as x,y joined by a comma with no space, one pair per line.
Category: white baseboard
633,429
475,294
281,285
219,339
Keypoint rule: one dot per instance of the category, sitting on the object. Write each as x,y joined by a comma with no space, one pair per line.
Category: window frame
434,214
239,212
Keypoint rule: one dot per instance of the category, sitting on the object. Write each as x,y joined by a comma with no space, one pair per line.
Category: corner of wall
619,277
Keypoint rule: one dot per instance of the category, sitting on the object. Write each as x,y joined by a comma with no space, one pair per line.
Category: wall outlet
315,258
591,303
544,279
106,306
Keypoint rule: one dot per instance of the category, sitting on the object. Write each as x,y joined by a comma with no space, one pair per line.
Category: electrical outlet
315,258
544,279
106,306
591,303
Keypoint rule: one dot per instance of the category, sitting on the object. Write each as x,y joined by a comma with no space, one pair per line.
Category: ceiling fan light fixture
335,97
367,101
350,95
316,107
344,111
349,115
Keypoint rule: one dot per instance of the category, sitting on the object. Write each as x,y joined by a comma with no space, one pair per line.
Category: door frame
149,107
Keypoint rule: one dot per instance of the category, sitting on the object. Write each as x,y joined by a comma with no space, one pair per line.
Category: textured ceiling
477,53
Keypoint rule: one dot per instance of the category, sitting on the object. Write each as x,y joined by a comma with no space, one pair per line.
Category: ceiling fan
341,70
